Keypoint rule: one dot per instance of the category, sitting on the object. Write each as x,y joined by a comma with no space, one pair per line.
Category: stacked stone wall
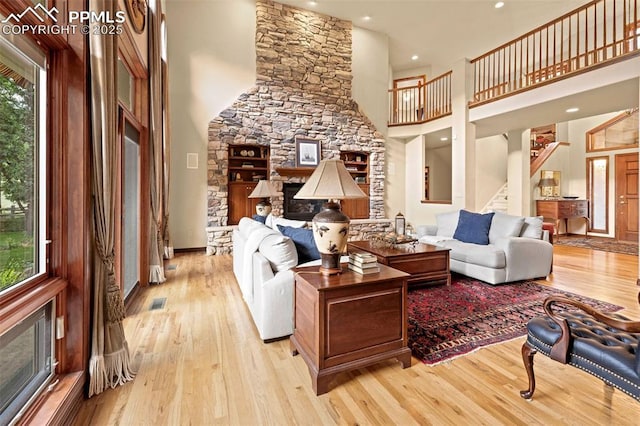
303,89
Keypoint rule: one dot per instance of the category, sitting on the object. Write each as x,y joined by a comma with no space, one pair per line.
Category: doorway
627,197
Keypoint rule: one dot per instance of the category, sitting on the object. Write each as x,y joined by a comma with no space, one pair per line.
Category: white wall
417,212
371,76
211,58
370,69
491,168
413,72
440,172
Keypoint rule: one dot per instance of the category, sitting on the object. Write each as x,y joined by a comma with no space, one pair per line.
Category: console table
348,321
564,209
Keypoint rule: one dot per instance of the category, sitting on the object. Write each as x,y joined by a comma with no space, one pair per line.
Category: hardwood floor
200,361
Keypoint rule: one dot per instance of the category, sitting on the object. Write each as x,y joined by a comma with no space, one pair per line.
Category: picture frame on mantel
307,152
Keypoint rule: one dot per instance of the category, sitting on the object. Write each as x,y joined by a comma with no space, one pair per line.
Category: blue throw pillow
473,227
304,242
261,219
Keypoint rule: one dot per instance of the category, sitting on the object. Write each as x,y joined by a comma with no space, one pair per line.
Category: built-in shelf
295,171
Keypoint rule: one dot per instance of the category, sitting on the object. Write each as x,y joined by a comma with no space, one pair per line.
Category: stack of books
363,263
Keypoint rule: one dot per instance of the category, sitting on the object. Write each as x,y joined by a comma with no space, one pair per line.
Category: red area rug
446,322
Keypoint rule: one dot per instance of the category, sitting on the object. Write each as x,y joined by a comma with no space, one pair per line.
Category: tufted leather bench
603,345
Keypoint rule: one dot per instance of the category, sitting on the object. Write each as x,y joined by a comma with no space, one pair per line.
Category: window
26,362
22,163
598,193
621,132
126,86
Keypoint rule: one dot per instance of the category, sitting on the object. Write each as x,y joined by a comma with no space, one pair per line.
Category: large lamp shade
330,181
264,189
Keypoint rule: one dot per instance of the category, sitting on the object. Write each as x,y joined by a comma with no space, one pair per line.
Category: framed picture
307,152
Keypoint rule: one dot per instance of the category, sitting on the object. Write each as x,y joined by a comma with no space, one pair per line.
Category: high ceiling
441,32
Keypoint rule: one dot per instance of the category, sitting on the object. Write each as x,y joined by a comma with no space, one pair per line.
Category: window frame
68,215
604,126
41,159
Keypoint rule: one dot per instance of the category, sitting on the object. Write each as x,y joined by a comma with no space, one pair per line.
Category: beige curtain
156,246
166,148
110,364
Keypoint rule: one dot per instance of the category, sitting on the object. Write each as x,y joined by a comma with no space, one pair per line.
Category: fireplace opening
299,209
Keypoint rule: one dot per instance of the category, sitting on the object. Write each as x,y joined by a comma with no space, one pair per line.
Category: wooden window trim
606,125
68,215
45,41
15,310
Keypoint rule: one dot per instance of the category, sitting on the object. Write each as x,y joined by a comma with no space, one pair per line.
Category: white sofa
262,263
518,248
263,259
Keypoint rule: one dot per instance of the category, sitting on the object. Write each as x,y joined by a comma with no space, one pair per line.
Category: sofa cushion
280,251
489,256
258,218
505,225
532,227
247,225
273,222
447,223
473,227
304,242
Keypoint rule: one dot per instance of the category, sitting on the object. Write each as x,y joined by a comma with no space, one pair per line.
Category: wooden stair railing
420,103
596,33
543,155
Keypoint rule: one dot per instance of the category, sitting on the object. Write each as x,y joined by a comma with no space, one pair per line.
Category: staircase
497,203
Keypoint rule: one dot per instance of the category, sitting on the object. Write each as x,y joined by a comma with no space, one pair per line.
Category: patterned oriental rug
597,243
447,322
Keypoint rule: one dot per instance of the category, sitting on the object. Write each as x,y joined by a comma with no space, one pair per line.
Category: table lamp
264,189
546,186
330,181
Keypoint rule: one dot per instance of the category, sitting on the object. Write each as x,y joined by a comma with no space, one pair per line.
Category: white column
463,150
518,167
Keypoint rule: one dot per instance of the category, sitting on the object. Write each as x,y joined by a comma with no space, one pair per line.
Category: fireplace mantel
295,171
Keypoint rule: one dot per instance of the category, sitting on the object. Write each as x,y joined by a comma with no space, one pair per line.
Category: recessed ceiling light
313,3
414,58
499,4
444,139
366,18
574,109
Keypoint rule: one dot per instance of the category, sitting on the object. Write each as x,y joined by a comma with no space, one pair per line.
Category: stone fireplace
298,209
303,88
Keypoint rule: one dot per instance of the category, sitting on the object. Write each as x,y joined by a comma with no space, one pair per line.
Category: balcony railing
420,103
594,34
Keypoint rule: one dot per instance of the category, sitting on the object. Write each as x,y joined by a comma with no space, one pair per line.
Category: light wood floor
200,361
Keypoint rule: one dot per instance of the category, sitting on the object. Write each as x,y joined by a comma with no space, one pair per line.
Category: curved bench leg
527,357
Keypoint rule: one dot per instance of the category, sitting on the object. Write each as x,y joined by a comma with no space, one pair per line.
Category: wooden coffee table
425,264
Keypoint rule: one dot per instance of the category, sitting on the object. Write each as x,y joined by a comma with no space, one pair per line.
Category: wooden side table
564,209
348,321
